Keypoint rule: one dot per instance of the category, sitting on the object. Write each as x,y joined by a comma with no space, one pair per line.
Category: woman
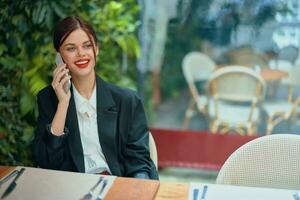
95,127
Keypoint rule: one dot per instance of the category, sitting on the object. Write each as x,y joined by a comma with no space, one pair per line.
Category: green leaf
3,49
26,104
58,10
42,14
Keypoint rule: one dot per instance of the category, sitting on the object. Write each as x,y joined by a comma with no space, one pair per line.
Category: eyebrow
72,44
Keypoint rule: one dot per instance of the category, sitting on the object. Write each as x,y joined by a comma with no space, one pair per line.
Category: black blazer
122,128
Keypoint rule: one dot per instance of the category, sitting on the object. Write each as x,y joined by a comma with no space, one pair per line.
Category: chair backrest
237,83
250,60
197,66
289,53
152,149
269,161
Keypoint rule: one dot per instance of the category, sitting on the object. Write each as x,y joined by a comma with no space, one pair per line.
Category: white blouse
94,159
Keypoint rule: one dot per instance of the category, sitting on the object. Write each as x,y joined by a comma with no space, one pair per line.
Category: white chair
289,53
271,161
236,94
250,60
197,67
153,150
280,110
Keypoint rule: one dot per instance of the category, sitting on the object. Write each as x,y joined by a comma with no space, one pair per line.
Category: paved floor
185,175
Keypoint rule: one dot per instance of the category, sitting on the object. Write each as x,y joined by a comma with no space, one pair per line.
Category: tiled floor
185,175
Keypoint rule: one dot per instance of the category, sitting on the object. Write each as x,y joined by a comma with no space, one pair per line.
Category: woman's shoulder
46,93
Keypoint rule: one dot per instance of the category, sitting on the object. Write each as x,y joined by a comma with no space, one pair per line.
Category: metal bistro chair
236,94
197,67
269,161
280,110
289,53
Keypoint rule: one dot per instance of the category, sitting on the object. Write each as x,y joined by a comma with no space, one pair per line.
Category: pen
204,192
195,193
12,174
13,184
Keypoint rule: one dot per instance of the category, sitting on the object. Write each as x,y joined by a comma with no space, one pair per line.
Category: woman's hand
60,78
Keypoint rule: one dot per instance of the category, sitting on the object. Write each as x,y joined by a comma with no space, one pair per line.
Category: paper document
42,184
198,191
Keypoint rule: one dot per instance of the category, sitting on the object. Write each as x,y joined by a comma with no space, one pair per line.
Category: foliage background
27,55
185,34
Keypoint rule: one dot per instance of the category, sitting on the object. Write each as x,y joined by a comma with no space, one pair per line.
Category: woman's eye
71,49
87,46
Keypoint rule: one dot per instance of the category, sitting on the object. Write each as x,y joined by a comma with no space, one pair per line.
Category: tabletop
273,74
43,184
176,191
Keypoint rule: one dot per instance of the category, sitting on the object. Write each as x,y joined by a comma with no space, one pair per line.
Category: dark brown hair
69,24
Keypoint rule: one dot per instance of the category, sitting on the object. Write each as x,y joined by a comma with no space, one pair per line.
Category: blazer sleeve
49,151
137,146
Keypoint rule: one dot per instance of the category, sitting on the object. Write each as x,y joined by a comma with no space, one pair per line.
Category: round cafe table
273,74
272,78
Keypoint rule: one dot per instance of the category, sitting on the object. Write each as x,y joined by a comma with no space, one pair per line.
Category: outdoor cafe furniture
269,161
279,110
235,93
197,68
42,184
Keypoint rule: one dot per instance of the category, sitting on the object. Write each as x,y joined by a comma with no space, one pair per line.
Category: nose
80,52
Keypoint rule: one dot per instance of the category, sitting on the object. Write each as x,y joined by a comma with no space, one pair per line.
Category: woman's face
77,52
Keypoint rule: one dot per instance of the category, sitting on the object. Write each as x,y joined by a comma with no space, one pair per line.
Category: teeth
82,62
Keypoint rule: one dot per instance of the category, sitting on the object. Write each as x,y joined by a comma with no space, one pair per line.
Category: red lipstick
82,63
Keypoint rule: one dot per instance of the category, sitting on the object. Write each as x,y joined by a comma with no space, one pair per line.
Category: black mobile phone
58,62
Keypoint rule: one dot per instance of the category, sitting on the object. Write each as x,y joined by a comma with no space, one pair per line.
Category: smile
82,63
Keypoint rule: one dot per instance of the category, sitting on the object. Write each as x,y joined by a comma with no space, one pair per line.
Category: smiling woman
95,127
79,54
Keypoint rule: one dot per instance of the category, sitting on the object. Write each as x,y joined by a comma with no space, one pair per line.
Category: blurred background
144,45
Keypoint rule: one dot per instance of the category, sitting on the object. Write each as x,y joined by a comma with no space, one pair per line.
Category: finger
65,79
55,80
56,85
55,70
60,85
58,69
60,74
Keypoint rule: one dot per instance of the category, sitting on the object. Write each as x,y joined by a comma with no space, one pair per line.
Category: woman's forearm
58,122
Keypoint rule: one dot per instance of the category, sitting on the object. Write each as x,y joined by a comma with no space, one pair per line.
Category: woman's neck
85,86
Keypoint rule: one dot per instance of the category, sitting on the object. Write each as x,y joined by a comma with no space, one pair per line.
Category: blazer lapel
74,140
107,122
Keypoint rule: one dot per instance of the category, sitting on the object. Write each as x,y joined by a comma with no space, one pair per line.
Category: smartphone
58,62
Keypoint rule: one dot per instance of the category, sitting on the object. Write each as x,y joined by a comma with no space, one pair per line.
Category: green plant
183,36
27,55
